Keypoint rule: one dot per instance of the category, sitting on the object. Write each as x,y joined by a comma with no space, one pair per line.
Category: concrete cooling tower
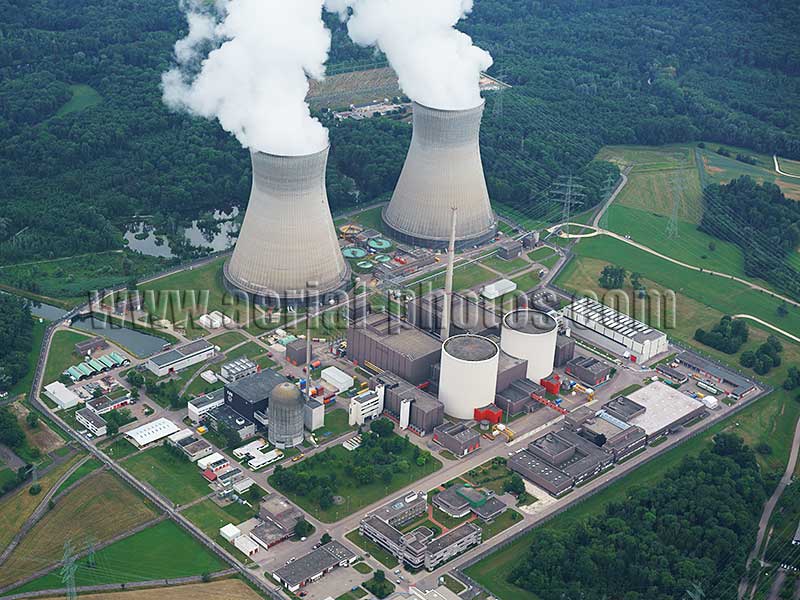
443,170
531,335
287,249
468,374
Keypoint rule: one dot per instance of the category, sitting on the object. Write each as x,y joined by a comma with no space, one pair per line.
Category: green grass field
528,281
83,97
541,253
210,518
180,481
227,340
789,166
335,424
721,169
464,278
120,448
61,354
162,551
90,466
505,266
381,555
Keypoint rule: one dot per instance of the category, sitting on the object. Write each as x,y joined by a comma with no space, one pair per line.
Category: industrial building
452,543
296,352
286,416
460,500
200,406
385,343
151,432
92,421
313,415
606,431
466,316
104,404
740,384
565,351
88,346
656,408
192,446
250,396
518,397
60,394
531,335
673,375
225,416
509,249
314,565
179,358
498,289
278,519
365,406
442,170
457,438
237,369
337,378
468,375
412,407
274,261
589,370
614,331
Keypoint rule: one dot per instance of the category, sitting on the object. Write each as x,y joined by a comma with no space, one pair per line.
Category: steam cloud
437,65
247,64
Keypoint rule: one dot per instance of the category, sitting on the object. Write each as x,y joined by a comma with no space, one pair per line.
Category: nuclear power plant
468,374
288,251
531,335
442,171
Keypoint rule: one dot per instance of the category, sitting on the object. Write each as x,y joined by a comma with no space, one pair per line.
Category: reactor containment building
468,374
442,171
288,251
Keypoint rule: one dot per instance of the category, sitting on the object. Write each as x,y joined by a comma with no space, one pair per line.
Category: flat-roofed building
591,371
200,406
457,438
565,350
412,407
741,385
403,509
622,332
151,432
314,565
606,431
546,476
192,446
459,500
365,406
518,397
92,421
665,409
180,358
389,344
451,544
86,346
510,249
237,369
104,404
313,415
673,375
250,395
225,416
60,394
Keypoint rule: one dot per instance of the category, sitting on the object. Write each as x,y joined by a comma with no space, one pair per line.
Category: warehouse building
337,378
365,406
411,407
606,431
614,331
199,407
741,385
460,500
589,370
60,394
296,352
85,347
192,446
457,438
673,375
151,432
237,369
224,415
104,404
181,357
385,343
314,565
250,396
510,249
92,421
466,316
656,408
278,519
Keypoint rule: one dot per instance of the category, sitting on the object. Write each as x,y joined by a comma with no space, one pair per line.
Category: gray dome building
285,429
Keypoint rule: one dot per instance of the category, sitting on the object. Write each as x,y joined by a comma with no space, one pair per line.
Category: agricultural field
341,90
224,589
98,509
61,354
90,466
176,479
163,551
789,166
721,169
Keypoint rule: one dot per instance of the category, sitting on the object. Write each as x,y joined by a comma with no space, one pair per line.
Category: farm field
16,507
225,589
163,551
61,354
178,480
356,87
98,509
90,466
789,166
721,169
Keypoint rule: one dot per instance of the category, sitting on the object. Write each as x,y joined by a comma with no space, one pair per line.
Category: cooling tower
287,249
443,170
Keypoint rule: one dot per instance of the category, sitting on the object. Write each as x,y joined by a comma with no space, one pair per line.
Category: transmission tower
497,107
672,224
68,571
568,193
91,559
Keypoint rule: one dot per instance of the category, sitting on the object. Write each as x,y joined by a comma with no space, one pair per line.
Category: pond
140,343
46,311
141,237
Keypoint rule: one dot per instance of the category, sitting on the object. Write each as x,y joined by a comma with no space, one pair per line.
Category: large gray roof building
314,565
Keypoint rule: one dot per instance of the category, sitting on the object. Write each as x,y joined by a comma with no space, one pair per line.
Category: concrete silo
286,416
530,335
443,170
287,249
468,374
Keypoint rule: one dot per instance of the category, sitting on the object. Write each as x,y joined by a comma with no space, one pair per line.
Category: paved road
623,182
770,505
778,168
770,325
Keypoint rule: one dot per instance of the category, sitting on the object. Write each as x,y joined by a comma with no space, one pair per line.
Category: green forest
86,143
16,339
657,545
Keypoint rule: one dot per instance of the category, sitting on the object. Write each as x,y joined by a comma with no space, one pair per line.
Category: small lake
141,237
141,344
46,311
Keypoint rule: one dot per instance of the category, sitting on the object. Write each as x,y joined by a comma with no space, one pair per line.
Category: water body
141,344
40,309
218,239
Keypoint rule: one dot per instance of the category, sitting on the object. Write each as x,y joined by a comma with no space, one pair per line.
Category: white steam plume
254,79
437,65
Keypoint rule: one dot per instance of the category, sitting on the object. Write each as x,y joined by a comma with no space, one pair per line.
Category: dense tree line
693,528
585,73
16,340
765,357
762,222
726,336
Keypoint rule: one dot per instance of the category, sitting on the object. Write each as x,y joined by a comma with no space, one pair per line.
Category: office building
180,358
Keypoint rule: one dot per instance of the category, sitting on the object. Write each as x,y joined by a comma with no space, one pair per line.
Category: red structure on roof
490,413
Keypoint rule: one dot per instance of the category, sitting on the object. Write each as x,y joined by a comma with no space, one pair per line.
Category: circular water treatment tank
364,265
354,252
468,375
379,244
530,335
382,258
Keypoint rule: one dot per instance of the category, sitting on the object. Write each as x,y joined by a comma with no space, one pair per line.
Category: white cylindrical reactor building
287,249
443,169
468,374
531,335
286,416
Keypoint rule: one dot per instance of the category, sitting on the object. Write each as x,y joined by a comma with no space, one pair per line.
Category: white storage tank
468,375
531,335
